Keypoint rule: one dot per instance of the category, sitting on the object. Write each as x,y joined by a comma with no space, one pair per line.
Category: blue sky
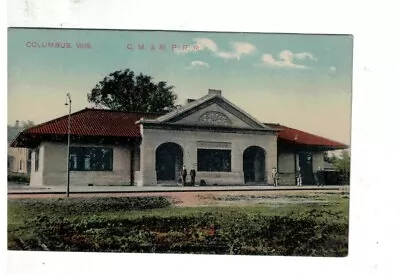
303,81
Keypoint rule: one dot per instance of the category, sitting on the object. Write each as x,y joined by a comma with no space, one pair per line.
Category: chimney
190,100
214,91
17,123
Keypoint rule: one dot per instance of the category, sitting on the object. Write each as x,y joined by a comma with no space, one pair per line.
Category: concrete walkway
135,189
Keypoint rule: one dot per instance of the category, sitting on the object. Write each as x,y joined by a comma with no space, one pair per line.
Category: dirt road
195,198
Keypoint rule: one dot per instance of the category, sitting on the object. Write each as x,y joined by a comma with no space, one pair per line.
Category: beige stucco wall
286,162
192,119
53,160
53,168
152,138
287,166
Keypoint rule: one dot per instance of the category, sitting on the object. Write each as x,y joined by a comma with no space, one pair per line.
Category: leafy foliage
125,91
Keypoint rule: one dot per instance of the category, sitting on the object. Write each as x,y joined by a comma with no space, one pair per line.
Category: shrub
206,233
82,206
20,178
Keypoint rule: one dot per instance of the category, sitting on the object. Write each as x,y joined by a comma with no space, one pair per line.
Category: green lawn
154,225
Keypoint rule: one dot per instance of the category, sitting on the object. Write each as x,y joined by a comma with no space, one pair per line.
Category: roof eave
323,147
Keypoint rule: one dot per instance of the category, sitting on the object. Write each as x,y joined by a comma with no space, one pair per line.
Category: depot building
222,142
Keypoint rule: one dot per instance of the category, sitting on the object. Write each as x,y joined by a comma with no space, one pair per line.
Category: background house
18,158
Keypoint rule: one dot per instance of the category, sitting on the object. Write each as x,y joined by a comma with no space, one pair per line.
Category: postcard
179,142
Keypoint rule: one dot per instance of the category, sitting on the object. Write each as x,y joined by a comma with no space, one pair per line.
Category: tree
329,158
125,91
12,131
342,164
27,124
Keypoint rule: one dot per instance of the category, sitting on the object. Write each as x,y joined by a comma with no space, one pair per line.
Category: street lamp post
68,103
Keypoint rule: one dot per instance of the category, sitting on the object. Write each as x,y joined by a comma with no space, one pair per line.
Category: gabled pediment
214,115
212,110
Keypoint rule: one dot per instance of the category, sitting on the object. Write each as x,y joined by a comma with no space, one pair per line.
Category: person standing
316,178
320,177
183,175
299,177
192,176
275,176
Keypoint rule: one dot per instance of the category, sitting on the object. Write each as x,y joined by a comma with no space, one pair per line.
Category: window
91,159
136,158
10,161
29,160
73,161
214,160
36,159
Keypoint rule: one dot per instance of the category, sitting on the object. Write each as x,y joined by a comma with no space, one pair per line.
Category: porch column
271,161
148,175
190,154
237,161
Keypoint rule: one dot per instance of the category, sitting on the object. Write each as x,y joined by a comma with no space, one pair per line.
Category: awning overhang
28,140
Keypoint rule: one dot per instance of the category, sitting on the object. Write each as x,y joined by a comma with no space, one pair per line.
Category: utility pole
68,103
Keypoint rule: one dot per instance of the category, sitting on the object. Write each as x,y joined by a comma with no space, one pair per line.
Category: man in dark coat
192,176
183,175
320,177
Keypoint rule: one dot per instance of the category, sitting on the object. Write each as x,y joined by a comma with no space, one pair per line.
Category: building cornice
152,124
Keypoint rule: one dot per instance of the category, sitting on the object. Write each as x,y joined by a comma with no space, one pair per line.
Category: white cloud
304,56
243,47
332,69
199,45
238,48
268,60
286,55
226,55
205,43
198,64
286,59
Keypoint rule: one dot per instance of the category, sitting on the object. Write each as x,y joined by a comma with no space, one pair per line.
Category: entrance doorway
169,161
254,164
306,167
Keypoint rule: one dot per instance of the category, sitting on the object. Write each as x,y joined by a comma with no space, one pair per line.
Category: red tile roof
107,123
295,136
94,122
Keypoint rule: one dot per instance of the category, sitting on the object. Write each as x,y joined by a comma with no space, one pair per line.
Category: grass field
311,224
